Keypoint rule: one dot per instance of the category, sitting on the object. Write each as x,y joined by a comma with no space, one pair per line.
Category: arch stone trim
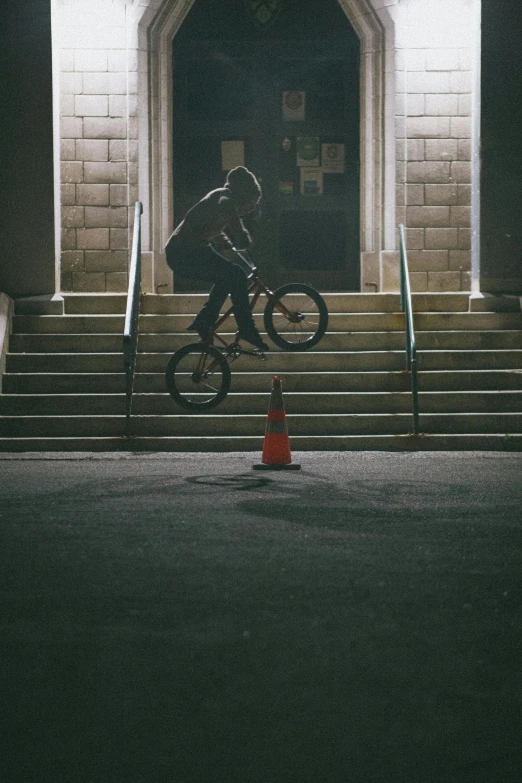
157,24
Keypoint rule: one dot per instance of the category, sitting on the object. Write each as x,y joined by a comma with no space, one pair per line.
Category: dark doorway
280,93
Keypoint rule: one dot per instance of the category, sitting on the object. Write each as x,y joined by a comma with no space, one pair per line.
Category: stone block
426,260
73,217
116,281
106,217
461,172
68,195
106,261
92,195
442,105
105,172
92,149
119,195
370,273
460,216
91,105
414,239
460,260
67,149
91,37
88,282
71,171
461,127
71,83
96,83
441,195
464,104
72,261
465,281
71,128
66,281
390,270
132,169
418,281
465,59
428,82
66,105
118,84
415,195
132,151
415,60
460,81
442,238
464,239
464,149
118,60
68,239
117,105
400,171
118,149
464,195
442,60
90,60
132,104
444,281
400,195
441,149
119,238
105,128
432,172
428,127
93,239
411,104
133,127
66,60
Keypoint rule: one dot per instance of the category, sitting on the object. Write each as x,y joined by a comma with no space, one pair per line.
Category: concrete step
201,426
253,444
239,403
371,381
338,322
332,341
277,362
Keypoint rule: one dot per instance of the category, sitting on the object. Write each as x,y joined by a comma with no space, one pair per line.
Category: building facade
115,114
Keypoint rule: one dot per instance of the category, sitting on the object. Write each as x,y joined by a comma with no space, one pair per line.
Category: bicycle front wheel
198,377
296,318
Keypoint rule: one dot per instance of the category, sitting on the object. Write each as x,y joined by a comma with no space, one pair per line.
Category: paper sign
332,158
311,181
308,151
293,106
232,154
286,188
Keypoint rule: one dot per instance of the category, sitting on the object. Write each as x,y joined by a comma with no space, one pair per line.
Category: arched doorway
274,86
160,21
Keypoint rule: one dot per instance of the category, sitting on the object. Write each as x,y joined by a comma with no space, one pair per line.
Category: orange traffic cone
276,448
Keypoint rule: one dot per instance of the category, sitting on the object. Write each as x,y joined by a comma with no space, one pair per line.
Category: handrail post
411,348
130,333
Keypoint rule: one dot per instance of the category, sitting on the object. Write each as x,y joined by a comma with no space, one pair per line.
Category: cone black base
292,466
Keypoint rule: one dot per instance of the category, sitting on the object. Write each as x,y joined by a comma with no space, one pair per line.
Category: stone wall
98,148
434,58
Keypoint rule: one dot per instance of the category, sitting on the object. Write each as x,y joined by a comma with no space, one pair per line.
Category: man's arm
238,231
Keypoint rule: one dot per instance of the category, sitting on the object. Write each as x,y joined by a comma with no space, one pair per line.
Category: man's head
244,188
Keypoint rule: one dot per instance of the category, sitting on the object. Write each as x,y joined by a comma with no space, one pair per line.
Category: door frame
158,24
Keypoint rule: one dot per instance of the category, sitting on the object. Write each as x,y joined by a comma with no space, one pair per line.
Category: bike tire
198,377
311,318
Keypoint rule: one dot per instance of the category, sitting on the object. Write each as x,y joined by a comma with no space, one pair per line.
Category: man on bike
190,252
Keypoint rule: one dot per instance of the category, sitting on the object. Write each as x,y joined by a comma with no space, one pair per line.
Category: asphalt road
174,618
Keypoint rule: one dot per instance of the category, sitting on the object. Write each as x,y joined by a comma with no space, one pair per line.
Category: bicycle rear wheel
296,318
198,377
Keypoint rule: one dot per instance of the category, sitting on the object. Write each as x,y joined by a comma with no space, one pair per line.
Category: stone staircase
63,389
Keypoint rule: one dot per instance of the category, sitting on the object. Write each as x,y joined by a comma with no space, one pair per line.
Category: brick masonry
99,141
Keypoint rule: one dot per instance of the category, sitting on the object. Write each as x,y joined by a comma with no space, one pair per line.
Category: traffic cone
276,448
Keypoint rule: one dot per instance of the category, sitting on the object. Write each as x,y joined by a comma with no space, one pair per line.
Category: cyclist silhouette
216,219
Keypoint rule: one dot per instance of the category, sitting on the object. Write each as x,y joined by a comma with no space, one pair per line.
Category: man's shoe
253,337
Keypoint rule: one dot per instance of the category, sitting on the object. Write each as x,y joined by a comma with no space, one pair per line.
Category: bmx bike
295,317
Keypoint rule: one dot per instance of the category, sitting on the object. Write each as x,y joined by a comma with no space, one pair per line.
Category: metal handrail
130,332
411,347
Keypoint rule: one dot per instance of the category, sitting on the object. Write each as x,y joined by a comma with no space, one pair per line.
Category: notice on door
232,154
311,181
332,157
293,106
308,151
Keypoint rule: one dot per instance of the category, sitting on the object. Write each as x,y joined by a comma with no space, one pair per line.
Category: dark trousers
229,279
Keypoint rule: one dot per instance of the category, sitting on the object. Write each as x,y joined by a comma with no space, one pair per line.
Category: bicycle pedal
259,354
